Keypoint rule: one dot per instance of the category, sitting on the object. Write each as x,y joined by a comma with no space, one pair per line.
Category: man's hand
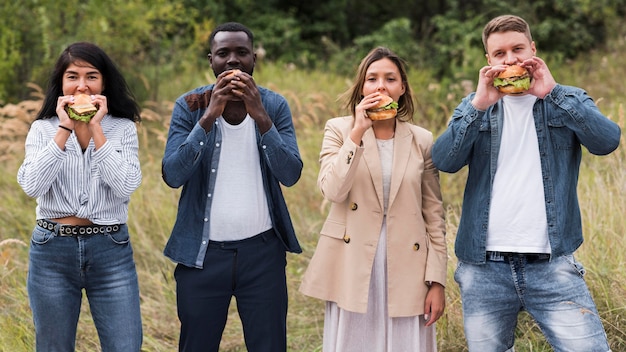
486,93
243,87
222,93
542,81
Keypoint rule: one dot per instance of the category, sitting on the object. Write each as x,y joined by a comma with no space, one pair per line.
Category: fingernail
426,316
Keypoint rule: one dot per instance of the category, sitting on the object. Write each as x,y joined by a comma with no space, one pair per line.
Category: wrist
66,128
479,105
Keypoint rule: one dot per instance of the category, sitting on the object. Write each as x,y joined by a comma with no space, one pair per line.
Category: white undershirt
385,150
239,209
517,217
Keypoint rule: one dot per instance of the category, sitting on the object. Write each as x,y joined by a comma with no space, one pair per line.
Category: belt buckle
495,256
65,230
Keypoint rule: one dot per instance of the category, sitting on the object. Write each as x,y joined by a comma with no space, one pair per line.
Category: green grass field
313,99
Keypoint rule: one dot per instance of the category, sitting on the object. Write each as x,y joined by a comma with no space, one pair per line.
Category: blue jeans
552,291
102,265
251,270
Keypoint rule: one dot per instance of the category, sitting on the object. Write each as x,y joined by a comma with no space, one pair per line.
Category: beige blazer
351,179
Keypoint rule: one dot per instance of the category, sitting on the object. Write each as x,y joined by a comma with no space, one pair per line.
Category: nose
510,59
82,85
233,60
380,85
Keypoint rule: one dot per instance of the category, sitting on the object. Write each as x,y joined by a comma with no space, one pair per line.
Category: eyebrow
383,73
94,72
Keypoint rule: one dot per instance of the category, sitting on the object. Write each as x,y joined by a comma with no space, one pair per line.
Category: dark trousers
251,270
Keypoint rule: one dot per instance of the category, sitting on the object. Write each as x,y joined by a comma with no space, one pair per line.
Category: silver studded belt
77,230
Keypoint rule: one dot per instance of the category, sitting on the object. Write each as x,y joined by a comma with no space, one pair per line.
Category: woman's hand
100,101
435,303
64,118
361,121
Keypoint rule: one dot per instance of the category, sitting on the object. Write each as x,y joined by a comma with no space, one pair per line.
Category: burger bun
513,80
233,73
82,108
513,71
379,112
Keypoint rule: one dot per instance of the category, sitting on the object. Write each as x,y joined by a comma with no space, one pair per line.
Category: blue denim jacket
564,120
192,157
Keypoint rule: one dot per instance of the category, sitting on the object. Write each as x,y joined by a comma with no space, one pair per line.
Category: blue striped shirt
94,185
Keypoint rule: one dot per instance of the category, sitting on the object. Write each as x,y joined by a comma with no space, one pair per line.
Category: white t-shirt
239,209
517,217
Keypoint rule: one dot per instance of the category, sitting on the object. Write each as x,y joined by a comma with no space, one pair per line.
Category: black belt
77,230
531,257
262,237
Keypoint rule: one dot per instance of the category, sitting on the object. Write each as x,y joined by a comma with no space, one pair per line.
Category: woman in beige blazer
380,263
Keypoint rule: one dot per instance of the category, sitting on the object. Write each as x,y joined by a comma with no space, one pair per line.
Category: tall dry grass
313,99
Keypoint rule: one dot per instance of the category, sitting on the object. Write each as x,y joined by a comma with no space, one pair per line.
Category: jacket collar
401,151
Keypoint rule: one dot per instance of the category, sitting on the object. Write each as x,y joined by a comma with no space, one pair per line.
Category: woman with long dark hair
82,174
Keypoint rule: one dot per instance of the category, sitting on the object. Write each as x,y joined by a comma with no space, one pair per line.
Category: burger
514,80
82,109
386,109
233,72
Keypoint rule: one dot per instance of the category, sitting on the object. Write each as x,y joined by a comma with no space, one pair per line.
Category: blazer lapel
401,152
372,160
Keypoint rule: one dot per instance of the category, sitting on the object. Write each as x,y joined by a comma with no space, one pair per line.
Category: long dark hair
121,101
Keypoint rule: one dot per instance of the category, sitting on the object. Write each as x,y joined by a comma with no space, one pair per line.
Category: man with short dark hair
230,146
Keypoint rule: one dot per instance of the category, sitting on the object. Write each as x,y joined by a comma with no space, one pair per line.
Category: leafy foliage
150,39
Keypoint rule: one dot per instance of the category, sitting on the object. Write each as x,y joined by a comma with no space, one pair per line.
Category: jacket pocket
333,229
561,137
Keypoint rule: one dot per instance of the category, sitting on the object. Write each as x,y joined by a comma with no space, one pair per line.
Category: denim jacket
191,159
564,120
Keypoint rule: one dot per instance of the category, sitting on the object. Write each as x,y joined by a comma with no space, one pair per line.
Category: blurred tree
153,40
20,48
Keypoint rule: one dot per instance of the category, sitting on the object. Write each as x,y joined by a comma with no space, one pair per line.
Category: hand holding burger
82,109
513,80
232,74
386,109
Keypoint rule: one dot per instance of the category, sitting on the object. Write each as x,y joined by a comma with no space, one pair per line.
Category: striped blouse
94,185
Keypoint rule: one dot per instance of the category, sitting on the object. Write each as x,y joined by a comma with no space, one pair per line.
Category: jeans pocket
575,265
121,236
458,272
40,236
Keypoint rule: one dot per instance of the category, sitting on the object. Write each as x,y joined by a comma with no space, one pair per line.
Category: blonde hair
506,23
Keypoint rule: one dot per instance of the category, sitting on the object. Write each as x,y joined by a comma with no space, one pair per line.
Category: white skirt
375,331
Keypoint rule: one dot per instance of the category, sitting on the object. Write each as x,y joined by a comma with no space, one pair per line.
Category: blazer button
416,246
354,206
346,238
349,157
